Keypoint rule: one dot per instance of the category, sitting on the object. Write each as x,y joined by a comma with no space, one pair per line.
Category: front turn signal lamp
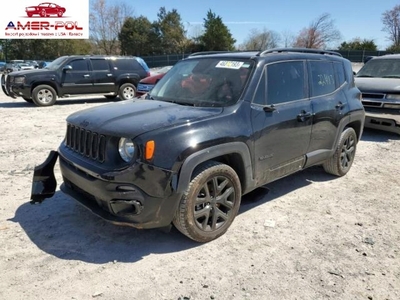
149,151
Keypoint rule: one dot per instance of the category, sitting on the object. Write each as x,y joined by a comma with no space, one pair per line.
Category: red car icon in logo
45,9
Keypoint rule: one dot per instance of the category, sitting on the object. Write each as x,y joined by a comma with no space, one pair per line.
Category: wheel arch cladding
236,155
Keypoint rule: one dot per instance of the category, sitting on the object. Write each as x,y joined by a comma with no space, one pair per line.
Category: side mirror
67,68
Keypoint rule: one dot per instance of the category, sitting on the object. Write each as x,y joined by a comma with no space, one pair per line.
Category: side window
285,82
100,65
339,71
126,64
259,97
79,65
322,78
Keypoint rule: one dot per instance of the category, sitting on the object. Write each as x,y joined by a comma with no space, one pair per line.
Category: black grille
86,142
373,96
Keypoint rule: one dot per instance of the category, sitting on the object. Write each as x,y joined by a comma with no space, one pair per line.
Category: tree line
115,31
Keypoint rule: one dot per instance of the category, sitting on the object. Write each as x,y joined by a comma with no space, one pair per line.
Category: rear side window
100,65
340,75
322,78
127,65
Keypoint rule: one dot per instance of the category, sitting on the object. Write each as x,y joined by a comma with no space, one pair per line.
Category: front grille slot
372,96
86,142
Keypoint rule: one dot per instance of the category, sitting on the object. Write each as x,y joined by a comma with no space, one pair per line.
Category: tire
60,13
29,100
29,15
110,96
127,91
43,13
340,163
44,95
215,213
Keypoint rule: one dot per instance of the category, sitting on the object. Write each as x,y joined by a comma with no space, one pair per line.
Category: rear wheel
340,163
210,204
127,91
44,95
43,13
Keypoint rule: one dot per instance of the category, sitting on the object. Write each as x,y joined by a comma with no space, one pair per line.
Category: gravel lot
313,236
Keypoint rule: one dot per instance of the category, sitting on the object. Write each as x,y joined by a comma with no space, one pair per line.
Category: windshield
55,64
204,82
384,68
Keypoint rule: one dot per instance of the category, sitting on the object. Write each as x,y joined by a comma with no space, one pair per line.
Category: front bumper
382,121
12,90
114,200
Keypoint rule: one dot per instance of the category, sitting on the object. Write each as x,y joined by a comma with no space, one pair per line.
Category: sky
353,18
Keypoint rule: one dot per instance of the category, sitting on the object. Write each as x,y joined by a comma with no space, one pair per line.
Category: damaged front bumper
115,199
44,182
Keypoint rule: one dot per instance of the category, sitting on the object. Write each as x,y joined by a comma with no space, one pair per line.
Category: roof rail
221,52
208,52
301,50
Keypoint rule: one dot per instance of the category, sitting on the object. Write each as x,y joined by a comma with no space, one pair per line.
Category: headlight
19,80
126,149
393,97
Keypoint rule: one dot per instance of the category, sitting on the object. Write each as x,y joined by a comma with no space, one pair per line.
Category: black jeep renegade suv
215,127
77,75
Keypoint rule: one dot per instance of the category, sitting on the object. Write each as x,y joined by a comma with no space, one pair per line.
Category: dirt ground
313,236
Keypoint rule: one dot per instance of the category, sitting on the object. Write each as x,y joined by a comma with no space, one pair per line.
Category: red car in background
146,84
45,9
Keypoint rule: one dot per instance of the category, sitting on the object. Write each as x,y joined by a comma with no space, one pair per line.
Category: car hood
378,85
132,118
32,72
152,79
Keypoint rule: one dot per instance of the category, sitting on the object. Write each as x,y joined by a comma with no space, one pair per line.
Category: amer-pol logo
47,20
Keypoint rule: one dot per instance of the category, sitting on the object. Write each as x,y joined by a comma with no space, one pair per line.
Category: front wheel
210,204
341,161
44,95
127,91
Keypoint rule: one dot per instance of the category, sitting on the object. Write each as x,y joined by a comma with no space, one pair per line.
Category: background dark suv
214,128
74,75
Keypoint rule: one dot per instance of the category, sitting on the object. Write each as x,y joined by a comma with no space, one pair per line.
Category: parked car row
19,65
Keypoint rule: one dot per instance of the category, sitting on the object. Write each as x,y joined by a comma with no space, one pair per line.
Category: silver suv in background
379,82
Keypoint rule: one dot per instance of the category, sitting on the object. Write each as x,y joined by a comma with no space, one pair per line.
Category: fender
133,78
192,161
321,155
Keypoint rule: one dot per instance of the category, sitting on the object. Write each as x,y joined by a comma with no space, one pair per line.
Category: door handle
86,75
304,116
109,75
340,105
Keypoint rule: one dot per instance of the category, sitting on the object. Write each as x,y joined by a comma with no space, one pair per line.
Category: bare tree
319,34
106,22
261,40
391,22
288,38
